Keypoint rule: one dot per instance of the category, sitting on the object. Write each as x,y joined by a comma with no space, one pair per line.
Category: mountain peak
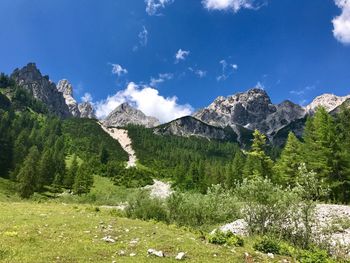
328,101
125,114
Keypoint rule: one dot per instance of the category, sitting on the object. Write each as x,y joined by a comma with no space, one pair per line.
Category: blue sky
147,52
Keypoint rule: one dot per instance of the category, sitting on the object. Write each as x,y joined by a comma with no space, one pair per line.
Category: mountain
42,89
252,110
87,110
66,88
189,126
329,101
124,115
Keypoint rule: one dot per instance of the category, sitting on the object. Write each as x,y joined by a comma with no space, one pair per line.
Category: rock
87,110
270,255
44,90
181,256
153,252
66,88
124,115
159,189
189,126
121,253
132,254
108,239
238,227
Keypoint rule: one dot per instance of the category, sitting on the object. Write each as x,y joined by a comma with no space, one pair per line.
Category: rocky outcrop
252,110
87,110
124,115
44,90
189,126
66,88
329,101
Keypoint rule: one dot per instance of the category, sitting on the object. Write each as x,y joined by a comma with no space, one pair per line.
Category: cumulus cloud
146,99
161,78
234,5
153,6
181,55
118,70
341,23
87,97
226,70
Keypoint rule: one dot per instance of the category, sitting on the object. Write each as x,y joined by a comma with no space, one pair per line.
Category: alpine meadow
174,130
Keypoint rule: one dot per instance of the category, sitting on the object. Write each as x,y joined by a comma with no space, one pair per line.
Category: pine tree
104,155
286,167
46,171
83,181
71,174
27,176
235,173
258,163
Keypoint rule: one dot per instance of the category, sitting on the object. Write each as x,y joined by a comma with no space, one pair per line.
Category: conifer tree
286,167
235,173
71,174
258,163
83,181
27,176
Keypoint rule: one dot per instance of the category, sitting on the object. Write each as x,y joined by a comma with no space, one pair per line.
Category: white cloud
153,6
260,85
146,99
181,55
118,70
341,23
87,97
234,5
200,73
143,37
161,78
227,70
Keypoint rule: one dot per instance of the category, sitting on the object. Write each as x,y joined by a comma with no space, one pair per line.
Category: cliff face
44,90
66,88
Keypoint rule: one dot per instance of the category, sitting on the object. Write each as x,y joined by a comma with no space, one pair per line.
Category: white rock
108,239
270,255
132,254
180,256
154,252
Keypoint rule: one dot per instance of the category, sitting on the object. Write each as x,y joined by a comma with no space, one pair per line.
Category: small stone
121,253
108,239
132,254
180,256
154,252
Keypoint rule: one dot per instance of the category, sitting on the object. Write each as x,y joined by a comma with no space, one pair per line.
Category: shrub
314,256
221,238
268,245
142,206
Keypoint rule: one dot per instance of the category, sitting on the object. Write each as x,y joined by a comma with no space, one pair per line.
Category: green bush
221,238
268,245
314,256
142,206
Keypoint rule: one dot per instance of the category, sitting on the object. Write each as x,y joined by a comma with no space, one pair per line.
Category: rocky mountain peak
65,87
44,90
125,114
328,101
87,110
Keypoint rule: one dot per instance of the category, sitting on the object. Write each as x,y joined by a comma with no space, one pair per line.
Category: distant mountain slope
125,115
189,126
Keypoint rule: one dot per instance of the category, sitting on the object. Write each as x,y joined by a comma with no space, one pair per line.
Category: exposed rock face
124,115
345,104
30,78
328,101
87,110
189,126
66,88
253,110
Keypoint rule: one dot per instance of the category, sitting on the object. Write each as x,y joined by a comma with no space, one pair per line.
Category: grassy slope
49,232
55,231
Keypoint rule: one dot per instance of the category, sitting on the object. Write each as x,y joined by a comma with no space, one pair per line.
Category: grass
53,232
